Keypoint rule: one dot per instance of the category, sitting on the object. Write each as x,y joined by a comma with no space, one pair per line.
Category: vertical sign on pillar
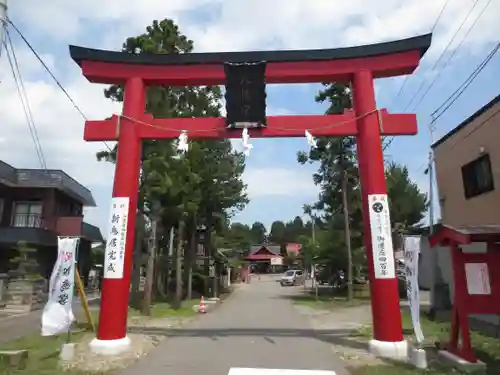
381,234
114,261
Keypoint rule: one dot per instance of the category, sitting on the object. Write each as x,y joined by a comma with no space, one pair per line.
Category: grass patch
487,349
43,356
329,299
164,309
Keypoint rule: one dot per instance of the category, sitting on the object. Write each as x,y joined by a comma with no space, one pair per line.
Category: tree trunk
159,271
178,266
347,232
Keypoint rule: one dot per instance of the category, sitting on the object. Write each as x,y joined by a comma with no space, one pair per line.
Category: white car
292,277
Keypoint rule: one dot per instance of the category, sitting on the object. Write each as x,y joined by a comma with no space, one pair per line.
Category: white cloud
232,25
279,181
242,25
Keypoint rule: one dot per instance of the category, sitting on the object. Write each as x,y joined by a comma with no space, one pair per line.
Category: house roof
471,118
422,43
466,234
91,232
41,178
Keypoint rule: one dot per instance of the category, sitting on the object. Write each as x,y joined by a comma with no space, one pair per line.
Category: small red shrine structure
476,285
263,253
358,66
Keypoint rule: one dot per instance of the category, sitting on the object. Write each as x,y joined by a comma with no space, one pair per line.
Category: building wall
59,212
479,136
425,268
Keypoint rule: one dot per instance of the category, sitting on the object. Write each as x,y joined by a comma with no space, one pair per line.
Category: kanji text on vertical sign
114,260
381,233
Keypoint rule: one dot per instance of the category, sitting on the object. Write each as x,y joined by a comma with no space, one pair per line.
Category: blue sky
278,186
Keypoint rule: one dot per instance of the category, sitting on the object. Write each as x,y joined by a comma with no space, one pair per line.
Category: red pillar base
109,347
394,350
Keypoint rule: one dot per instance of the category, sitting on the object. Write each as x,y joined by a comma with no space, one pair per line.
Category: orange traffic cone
203,306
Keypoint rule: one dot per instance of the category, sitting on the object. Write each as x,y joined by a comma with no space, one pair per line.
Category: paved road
257,327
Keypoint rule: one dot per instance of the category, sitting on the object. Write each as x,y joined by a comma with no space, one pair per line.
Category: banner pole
83,298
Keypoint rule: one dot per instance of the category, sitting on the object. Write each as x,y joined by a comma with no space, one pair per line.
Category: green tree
407,203
258,232
338,178
203,186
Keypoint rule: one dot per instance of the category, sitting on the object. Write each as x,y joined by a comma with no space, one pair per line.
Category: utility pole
430,171
347,229
148,287
3,22
436,277
178,265
313,230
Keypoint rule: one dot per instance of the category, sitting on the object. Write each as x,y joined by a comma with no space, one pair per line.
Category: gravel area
141,345
338,327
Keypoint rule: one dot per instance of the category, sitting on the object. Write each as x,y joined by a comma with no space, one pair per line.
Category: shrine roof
421,43
275,249
465,234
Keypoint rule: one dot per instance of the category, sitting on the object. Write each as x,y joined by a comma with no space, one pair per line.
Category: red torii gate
356,65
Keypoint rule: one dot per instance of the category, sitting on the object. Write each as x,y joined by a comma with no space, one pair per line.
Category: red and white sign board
478,278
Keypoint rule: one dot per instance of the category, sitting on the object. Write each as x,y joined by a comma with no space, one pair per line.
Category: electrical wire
442,54
457,93
393,101
16,73
461,89
450,57
403,85
58,83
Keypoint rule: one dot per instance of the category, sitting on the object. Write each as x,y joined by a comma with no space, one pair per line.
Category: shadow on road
335,336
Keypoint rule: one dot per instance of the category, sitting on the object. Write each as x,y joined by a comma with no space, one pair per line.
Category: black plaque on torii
245,95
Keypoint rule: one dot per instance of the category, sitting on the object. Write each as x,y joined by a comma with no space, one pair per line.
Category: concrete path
256,328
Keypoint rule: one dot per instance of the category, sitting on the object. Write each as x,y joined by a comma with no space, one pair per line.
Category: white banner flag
114,261
412,250
57,315
381,233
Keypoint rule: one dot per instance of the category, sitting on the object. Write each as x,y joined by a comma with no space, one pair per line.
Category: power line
457,93
403,85
450,57
16,73
51,74
442,53
393,101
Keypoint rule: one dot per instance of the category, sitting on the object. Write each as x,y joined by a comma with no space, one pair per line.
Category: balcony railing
27,220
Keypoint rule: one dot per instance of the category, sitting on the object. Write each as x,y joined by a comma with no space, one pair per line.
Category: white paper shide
412,250
381,233
114,260
57,315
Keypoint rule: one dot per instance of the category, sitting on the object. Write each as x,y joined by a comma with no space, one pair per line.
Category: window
477,177
27,214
